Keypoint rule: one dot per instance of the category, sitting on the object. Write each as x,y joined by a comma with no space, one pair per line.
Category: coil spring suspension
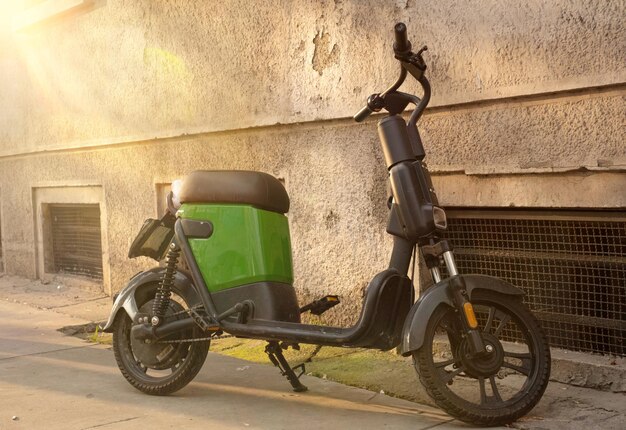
164,291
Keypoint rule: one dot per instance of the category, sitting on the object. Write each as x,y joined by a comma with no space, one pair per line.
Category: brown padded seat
235,186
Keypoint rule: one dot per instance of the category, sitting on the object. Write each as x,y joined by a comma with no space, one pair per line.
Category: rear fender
127,298
440,295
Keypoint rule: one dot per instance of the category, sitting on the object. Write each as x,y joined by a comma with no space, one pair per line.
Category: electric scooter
477,349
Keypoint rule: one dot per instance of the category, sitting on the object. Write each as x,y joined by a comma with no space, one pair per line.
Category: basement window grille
76,241
571,264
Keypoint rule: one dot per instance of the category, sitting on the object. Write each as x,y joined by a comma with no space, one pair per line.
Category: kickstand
275,354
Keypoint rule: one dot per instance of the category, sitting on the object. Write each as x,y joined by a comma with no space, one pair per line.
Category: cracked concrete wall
134,94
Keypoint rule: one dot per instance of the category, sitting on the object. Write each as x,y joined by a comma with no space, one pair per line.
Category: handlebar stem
419,109
398,82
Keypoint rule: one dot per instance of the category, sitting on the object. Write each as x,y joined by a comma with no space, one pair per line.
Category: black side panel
273,301
395,299
412,209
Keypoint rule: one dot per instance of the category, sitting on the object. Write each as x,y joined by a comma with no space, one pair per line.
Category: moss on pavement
369,369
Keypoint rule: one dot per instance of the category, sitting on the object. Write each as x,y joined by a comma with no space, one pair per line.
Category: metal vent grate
572,265
76,244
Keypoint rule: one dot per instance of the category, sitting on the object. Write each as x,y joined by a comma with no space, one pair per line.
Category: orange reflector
469,315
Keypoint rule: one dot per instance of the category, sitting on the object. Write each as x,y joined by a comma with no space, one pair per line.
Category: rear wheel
499,387
158,368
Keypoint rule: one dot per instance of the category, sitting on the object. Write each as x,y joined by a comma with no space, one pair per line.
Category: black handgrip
363,113
402,44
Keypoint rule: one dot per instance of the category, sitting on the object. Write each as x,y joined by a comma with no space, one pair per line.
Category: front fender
416,321
127,298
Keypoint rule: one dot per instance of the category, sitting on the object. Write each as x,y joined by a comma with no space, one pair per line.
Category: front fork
460,298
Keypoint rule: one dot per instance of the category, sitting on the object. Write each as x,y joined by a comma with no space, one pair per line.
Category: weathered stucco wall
151,69
334,173
337,230
138,93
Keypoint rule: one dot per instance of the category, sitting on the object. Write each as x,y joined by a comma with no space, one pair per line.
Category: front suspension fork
463,307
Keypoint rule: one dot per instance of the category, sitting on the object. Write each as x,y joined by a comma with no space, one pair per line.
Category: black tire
169,366
517,330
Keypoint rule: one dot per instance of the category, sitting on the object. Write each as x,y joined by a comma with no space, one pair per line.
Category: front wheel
163,367
498,387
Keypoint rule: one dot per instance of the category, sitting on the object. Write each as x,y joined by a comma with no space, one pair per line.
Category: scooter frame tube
297,332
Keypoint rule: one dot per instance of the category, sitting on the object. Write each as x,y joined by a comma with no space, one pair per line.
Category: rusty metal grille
76,243
572,266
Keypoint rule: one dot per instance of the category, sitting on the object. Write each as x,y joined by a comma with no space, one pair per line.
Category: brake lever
413,58
414,63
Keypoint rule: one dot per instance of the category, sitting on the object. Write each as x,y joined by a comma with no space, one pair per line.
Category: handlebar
402,45
411,63
363,114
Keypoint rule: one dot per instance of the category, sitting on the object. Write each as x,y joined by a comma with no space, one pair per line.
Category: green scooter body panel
247,245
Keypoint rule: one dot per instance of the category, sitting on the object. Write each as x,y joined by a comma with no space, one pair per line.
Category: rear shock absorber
164,290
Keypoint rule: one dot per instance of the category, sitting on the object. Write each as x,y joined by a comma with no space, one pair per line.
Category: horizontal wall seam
564,96
513,171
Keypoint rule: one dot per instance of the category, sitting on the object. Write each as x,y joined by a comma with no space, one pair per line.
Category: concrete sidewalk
48,380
